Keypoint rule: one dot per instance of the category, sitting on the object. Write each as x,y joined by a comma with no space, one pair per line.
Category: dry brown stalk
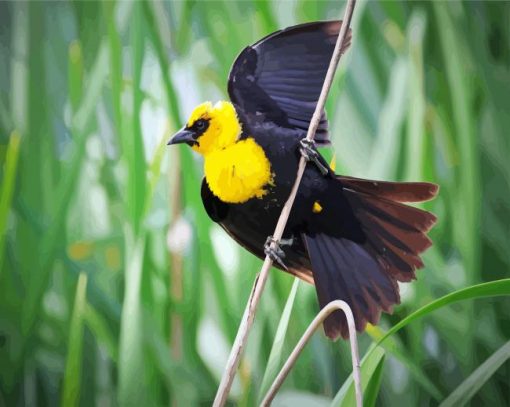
260,281
317,321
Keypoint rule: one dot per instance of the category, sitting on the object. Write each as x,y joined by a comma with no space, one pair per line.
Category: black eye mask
199,127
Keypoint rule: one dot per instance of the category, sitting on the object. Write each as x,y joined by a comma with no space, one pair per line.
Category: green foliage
9,178
469,387
275,356
92,201
72,374
372,389
371,366
492,289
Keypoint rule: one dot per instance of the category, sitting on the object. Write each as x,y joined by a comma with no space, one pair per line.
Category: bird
354,239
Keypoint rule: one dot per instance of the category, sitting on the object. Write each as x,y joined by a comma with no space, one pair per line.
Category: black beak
182,136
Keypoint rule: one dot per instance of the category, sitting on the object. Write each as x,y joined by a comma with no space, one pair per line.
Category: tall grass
116,288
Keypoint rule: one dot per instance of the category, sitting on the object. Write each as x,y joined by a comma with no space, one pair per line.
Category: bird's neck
238,172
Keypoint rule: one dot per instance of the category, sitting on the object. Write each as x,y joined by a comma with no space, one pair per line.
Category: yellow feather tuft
239,172
317,207
332,164
235,170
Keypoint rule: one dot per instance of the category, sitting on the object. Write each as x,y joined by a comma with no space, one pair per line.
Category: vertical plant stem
176,263
260,281
131,360
467,227
132,365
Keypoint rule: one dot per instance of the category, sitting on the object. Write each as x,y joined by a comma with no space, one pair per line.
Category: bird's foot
287,242
274,251
309,151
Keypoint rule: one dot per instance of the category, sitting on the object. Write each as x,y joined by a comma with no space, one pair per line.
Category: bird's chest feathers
239,172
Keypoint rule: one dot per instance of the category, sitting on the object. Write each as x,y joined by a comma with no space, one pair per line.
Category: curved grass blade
491,289
372,390
275,356
395,349
468,388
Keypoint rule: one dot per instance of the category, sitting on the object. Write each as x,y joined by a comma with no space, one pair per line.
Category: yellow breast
238,172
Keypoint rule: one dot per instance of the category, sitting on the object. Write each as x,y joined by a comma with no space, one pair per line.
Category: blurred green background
115,287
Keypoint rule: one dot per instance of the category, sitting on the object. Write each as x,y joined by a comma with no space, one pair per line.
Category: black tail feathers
365,274
345,270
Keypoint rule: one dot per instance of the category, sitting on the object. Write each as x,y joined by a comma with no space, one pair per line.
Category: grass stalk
72,377
318,320
260,280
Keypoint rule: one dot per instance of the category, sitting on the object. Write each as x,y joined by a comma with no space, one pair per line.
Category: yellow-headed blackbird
353,238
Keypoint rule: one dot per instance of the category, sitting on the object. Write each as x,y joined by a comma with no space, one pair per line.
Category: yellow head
210,128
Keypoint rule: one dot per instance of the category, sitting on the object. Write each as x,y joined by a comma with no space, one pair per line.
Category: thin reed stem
260,281
317,321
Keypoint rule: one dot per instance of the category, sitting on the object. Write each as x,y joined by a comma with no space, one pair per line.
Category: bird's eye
201,124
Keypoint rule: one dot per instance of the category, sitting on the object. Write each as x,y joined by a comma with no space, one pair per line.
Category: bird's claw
309,151
275,252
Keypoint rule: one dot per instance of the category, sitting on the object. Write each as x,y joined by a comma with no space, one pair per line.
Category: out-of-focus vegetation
115,287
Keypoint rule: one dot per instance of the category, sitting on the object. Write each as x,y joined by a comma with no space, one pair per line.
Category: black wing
279,79
215,208
251,237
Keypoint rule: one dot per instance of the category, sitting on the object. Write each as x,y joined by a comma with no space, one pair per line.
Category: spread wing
279,79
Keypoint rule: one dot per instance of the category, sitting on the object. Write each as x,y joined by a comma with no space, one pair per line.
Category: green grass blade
20,75
75,77
8,182
64,190
393,111
93,91
134,147
457,64
5,118
72,376
172,100
469,387
275,356
133,370
265,13
416,117
346,396
131,355
399,352
492,289
154,170
372,390
68,183
115,52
